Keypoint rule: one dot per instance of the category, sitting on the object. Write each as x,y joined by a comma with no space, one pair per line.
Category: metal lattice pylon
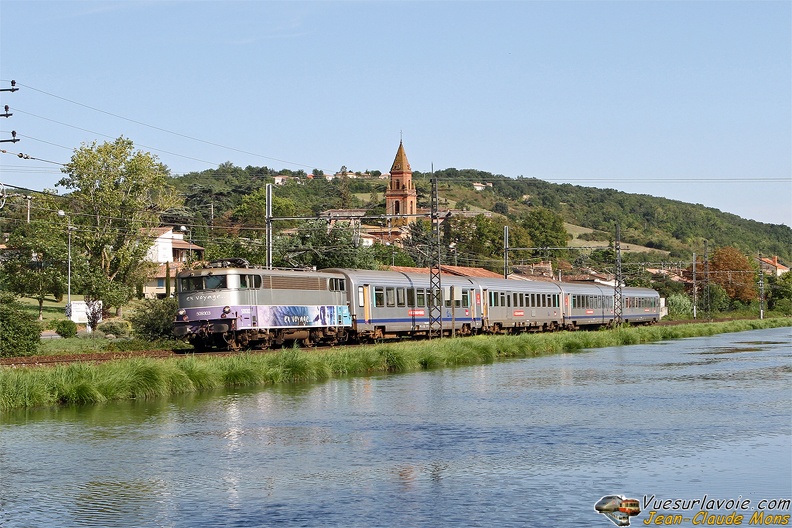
617,279
435,282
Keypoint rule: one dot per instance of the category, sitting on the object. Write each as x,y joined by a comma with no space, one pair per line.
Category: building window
160,283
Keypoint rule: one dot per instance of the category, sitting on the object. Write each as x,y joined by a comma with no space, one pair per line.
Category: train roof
379,276
236,270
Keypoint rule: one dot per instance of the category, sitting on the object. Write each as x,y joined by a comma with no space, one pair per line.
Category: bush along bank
88,383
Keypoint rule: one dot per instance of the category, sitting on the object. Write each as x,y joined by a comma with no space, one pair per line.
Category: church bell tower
401,197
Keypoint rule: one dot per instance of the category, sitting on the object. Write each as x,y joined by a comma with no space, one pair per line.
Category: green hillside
673,228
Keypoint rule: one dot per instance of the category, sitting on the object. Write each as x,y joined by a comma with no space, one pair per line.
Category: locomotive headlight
226,309
182,312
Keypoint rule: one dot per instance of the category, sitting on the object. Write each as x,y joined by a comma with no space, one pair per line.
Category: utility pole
761,288
695,297
435,281
505,252
706,280
268,215
13,139
617,279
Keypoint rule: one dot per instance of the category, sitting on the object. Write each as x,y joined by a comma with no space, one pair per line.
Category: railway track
104,357
97,357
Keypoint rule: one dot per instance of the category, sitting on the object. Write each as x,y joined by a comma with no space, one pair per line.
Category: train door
364,302
481,299
246,299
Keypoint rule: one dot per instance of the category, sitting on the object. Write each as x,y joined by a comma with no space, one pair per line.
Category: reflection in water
477,446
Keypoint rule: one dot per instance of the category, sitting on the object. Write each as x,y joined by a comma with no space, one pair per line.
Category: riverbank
88,383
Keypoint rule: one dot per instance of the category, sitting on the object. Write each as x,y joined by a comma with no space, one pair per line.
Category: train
229,304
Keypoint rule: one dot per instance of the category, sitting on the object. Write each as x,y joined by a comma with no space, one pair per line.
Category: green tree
20,333
345,191
35,261
324,246
545,227
117,195
252,212
779,289
391,255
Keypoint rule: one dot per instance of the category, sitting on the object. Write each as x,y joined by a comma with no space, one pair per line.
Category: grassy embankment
82,383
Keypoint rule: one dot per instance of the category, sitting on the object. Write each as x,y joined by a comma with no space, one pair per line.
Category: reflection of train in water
229,304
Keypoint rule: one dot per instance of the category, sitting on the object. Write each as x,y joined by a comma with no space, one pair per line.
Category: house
170,252
771,266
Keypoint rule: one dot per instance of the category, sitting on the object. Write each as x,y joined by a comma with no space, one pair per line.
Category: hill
674,228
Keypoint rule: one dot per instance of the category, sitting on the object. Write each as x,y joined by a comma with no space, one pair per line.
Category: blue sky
686,100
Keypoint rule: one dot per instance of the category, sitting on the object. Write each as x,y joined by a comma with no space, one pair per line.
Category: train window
337,284
466,298
361,296
556,301
190,284
411,297
508,299
215,282
420,297
243,282
390,296
379,296
401,297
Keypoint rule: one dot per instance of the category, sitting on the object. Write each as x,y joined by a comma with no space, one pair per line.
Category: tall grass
85,383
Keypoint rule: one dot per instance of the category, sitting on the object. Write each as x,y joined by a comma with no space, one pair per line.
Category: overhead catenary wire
165,130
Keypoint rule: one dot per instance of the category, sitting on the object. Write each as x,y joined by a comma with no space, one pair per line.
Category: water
533,442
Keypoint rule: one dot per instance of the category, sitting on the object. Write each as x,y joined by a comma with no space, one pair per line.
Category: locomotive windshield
205,282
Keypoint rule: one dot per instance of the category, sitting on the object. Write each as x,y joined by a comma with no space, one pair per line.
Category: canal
533,442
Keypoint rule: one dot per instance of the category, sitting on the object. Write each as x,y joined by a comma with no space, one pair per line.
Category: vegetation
153,319
19,331
116,196
66,328
35,266
84,383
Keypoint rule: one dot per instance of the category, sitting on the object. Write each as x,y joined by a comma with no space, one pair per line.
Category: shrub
65,328
119,328
20,333
679,305
153,320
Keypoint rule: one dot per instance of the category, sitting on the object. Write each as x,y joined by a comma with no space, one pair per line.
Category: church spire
400,163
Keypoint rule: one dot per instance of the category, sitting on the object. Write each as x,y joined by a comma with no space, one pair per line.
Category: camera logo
618,509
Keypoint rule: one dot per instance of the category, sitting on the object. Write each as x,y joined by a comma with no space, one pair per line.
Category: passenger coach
386,304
